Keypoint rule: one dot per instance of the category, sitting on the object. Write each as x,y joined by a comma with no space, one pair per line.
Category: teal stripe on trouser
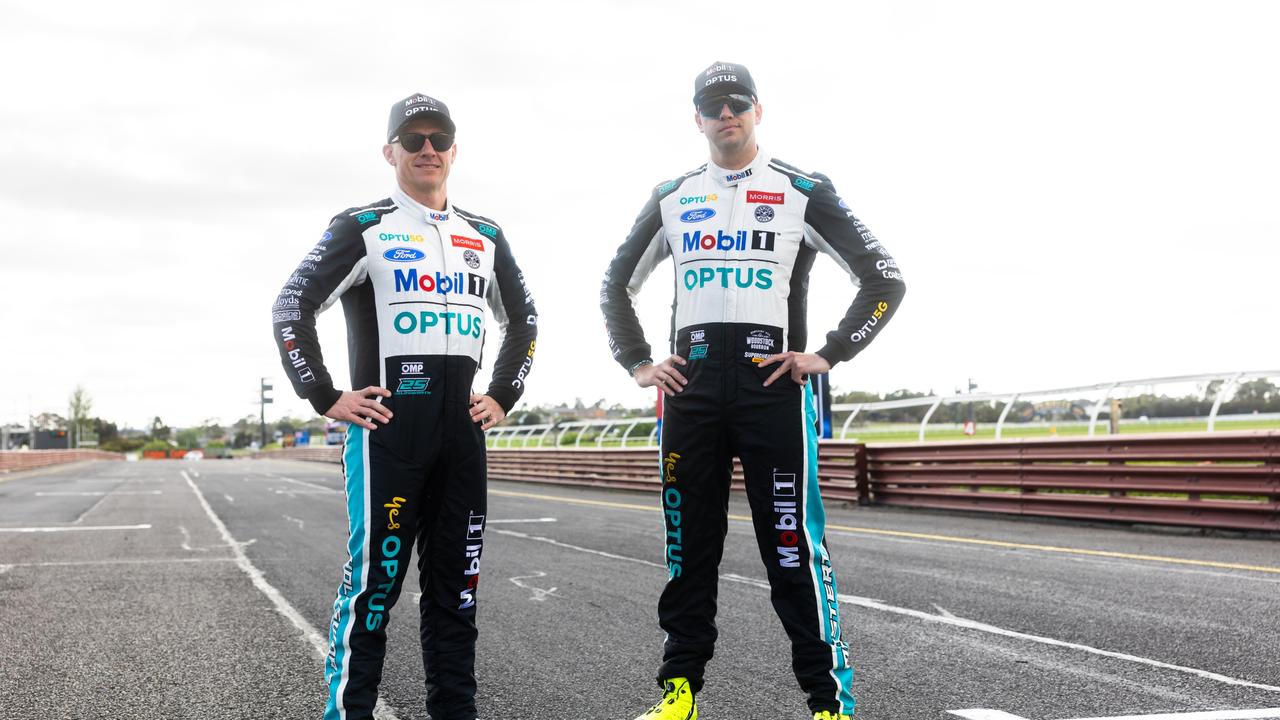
338,665
815,522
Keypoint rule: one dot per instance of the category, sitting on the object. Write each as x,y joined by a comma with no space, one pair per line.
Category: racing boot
677,702
828,715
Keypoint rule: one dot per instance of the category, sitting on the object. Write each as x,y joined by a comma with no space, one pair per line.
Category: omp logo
487,230
803,183
366,218
411,368
667,186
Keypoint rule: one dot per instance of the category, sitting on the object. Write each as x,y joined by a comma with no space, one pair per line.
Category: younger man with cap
413,272
743,231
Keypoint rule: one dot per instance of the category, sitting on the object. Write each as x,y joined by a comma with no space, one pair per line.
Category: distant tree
79,405
188,438
213,430
104,430
159,431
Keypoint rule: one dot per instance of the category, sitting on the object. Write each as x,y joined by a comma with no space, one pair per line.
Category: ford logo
697,215
403,254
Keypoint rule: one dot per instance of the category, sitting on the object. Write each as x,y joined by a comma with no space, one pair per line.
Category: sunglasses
738,104
413,142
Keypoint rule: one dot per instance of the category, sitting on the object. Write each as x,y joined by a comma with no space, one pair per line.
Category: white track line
76,563
69,528
953,621
505,521
978,714
1205,715
97,493
317,641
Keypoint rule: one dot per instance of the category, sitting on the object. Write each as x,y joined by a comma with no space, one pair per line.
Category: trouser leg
696,468
449,547
777,442
383,493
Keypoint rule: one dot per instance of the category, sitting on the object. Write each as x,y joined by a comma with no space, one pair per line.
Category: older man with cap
413,272
743,231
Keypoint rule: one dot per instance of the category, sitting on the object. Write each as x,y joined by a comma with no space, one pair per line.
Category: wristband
632,370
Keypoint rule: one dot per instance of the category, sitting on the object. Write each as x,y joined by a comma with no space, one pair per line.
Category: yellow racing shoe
828,715
677,702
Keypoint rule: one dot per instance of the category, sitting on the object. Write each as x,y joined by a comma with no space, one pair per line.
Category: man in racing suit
413,272
742,232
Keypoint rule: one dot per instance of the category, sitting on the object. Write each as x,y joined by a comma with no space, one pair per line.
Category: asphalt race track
171,589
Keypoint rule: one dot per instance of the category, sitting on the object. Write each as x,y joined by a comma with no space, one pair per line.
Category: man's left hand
486,411
798,364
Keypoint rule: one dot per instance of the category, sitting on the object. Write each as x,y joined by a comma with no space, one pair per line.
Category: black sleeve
831,228
640,253
512,305
335,264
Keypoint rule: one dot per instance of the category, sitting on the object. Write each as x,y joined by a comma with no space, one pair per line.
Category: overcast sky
1076,192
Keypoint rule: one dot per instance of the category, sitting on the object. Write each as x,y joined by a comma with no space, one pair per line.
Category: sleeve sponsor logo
404,255
755,196
864,332
667,186
466,242
804,183
487,230
526,366
286,316
294,353
366,218
697,215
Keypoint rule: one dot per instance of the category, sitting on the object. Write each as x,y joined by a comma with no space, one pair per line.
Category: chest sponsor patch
756,196
466,242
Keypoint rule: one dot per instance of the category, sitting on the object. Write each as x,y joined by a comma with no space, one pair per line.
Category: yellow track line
927,536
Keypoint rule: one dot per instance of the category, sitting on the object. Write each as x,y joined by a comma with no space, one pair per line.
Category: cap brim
445,120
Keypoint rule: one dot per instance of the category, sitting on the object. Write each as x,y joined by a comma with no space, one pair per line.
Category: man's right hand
359,407
664,375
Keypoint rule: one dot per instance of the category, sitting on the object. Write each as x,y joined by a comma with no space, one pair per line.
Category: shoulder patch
803,183
666,187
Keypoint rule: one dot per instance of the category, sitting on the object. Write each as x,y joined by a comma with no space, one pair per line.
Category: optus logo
454,323
671,502
761,278
691,199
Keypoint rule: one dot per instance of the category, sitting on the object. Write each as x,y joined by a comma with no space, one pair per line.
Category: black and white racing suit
413,283
742,243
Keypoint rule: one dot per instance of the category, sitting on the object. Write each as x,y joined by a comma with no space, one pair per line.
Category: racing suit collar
420,211
728,178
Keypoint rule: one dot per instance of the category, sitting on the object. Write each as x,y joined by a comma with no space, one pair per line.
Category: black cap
415,106
723,78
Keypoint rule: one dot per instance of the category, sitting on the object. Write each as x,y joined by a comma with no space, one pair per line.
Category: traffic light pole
262,409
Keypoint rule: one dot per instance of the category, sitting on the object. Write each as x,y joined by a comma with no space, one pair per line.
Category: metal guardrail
27,459
1223,480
